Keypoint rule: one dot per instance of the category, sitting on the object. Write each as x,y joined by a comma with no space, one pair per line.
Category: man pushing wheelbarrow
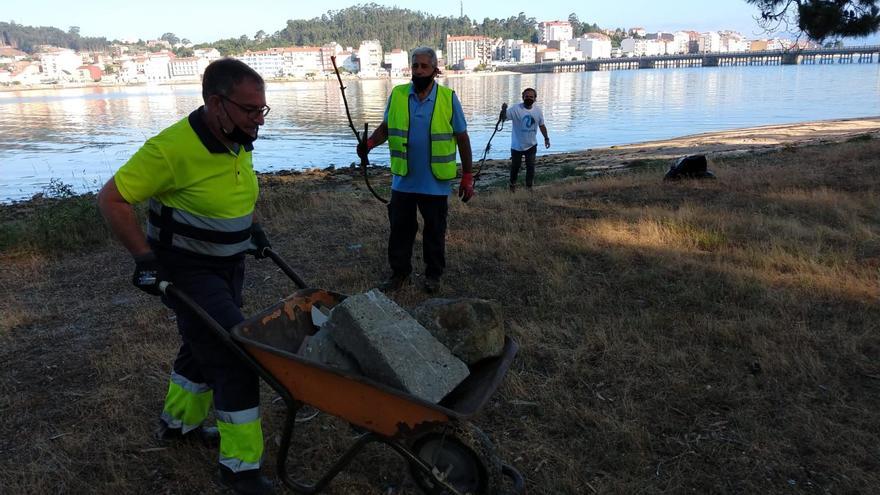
199,179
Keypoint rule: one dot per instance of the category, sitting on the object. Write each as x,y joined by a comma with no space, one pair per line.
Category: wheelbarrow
446,453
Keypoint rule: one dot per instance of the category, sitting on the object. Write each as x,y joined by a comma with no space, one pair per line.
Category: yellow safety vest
442,140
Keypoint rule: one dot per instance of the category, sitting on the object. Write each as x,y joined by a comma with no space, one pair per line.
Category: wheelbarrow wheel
459,454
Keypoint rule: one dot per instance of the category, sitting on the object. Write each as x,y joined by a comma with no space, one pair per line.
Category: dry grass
706,337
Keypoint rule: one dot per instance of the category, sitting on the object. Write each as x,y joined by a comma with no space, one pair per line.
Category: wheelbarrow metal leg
331,472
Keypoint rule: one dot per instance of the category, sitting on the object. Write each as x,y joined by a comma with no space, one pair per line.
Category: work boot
250,482
431,285
512,188
208,436
393,283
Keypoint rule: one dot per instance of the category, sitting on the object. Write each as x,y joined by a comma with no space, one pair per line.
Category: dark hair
223,74
532,90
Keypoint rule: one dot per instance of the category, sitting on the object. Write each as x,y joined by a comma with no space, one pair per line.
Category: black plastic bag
689,167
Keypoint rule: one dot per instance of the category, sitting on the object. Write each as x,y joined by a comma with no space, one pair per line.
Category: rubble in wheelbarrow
391,347
321,348
473,329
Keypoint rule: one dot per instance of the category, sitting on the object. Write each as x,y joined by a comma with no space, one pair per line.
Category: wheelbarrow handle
284,267
225,336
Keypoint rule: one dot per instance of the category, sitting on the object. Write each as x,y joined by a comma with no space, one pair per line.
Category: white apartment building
188,68
640,47
210,54
547,55
709,42
459,48
731,41
680,42
328,50
59,63
267,63
397,62
594,45
370,57
555,31
525,53
157,66
298,61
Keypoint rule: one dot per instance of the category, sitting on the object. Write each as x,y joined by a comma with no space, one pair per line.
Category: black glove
260,241
148,272
503,116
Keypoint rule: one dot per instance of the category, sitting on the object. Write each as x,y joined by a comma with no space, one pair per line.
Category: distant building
459,48
370,57
188,68
555,31
594,45
526,53
209,54
157,66
731,41
709,42
639,32
642,47
267,63
397,62
89,73
59,63
9,55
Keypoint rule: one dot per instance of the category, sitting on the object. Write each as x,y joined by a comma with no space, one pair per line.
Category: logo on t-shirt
528,121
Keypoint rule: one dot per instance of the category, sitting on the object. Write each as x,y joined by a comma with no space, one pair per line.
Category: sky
210,20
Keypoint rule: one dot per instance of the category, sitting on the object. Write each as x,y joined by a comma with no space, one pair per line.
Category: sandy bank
595,161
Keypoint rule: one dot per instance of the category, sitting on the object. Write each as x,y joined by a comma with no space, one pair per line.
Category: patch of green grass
65,221
861,138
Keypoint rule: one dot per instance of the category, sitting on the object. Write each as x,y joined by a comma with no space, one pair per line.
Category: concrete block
391,347
321,348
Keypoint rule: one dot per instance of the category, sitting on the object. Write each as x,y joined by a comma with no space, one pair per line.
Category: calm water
81,136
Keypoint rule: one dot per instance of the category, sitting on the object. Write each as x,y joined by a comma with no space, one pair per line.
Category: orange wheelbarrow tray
445,452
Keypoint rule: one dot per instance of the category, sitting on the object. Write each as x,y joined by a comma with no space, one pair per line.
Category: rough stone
321,348
391,347
473,329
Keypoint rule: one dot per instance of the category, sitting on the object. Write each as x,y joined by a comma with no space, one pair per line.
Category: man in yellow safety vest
424,125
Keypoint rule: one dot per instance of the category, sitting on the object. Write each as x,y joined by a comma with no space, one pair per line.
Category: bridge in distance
847,55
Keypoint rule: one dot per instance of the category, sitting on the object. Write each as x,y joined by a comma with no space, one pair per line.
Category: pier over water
849,55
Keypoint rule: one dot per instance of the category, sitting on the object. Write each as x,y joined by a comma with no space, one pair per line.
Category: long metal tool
498,126
365,161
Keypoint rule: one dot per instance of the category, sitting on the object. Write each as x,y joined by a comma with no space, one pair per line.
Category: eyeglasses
250,111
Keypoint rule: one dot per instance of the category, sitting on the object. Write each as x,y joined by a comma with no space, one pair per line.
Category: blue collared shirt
419,178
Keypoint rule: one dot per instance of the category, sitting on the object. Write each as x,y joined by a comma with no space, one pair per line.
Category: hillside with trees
394,27
28,38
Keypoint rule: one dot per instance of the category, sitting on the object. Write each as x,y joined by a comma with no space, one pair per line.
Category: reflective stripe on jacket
443,144
183,231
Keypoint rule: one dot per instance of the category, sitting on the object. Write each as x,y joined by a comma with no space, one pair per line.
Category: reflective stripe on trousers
241,439
186,404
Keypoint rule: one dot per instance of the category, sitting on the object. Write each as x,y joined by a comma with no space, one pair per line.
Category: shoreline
322,78
595,161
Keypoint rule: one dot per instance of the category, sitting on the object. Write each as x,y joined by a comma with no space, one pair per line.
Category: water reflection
82,136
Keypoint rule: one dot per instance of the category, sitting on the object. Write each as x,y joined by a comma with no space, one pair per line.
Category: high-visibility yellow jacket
443,144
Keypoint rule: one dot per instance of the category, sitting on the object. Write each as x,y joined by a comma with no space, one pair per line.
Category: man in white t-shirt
527,118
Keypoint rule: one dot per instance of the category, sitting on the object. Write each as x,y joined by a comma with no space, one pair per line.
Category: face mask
528,102
422,83
237,135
